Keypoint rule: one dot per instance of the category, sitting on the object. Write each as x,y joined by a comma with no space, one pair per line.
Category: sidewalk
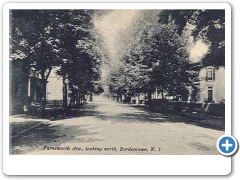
201,119
21,123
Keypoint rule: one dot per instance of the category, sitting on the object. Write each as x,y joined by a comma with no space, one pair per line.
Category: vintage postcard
111,79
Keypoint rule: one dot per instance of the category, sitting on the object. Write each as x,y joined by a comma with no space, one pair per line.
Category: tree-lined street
157,77
108,124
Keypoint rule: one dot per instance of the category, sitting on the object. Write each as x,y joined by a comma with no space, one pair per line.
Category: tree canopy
209,25
155,56
159,59
57,38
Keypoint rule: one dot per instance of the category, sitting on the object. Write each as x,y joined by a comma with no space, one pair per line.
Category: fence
54,103
216,109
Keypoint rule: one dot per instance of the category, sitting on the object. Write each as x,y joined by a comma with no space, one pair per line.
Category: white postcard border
113,164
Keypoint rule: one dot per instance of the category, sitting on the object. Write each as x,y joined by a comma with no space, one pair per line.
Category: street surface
107,127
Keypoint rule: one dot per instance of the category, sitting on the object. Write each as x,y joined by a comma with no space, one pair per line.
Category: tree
169,58
43,58
159,59
58,38
30,39
208,25
82,56
132,77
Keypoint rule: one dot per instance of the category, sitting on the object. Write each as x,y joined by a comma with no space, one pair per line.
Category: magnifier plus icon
227,145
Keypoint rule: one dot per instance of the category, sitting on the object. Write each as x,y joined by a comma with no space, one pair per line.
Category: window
210,76
210,94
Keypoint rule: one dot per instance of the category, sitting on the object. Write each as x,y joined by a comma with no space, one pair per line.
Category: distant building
210,85
54,87
55,90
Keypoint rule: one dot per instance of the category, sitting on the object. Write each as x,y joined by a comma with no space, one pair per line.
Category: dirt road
107,127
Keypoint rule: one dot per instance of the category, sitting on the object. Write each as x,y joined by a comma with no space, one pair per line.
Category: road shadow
143,115
33,133
160,118
138,114
43,134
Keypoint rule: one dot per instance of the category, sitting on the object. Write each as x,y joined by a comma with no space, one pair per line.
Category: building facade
210,85
25,86
54,88
18,87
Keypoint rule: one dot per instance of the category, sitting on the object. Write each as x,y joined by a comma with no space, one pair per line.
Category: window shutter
213,73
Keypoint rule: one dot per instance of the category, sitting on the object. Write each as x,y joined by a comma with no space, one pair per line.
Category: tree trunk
43,94
71,100
120,97
162,94
44,89
124,98
163,100
74,98
149,95
43,100
138,102
79,98
91,96
83,97
156,93
64,105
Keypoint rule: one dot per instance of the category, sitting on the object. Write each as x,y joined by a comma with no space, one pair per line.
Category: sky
117,28
111,27
197,50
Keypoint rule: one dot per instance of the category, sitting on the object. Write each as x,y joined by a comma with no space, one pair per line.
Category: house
25,86
59,88
18,87
209,85
54,89
35,87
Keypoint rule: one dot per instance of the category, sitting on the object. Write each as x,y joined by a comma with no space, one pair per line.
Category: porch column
29,87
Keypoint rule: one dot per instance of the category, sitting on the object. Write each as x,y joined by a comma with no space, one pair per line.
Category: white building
54,87
210,85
